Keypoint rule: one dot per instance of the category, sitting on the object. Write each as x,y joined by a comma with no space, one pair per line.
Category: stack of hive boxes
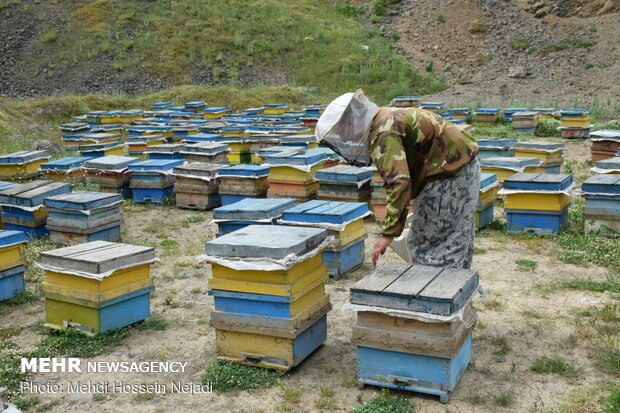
602,207
4,186
22,165
152,181
81,217
110,173
437,107
460,114
196,106
549,153
605,144
250,211
608,166
140,131
495,147
95,145
130,115
504,167
166,151
206,152
238,182
196,186
215,112
344,183
525,122
487,115
72,134
273,312
11,263
414,327
23,208
509,112
488,193
96,287
537,203
406,102
545,113
138,145
64,169
575,123
237,140
293,174
344,221
157,106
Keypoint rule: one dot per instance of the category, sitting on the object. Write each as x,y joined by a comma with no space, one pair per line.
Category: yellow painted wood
234,133
233,344
576,122
546,116
118,279
119,150
294,290
273,277
10,256
57,312
156,142
354,230
87,141
89,298
543,156
503,173
310,302
129,119
274,111
541,202
488,196
213,115
239,146
486,117
110,120
28,168
288,173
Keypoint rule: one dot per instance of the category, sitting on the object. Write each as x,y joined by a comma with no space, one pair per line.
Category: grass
71,343
227,377
31,253
548,128
385,403
478,27
554,365
609,362
611,284
154,323
504,397
29,295
519,44
441,19
526,265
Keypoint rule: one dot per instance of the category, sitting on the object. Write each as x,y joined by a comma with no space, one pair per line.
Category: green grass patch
227,377
195,219
611,284
612,404
526,265
519,44
49,36
385,403
441,18
589,249
478,27
31,254
71,343
548,128
29,295
609,362
87,186
27,403
554,365
154,323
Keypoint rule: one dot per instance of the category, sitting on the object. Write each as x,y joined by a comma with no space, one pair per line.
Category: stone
517,72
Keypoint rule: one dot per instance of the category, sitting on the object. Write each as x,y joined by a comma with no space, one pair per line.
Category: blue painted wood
487,111
72,219
538,222
11,282
525,130
231,199
496,143
511,111
344,173
31,232
486,215
161,105
226,227
11,237
74,128
535,145
511,162
127,310
254,209
7,185
22,157
552,169
252,304
215,109
276,105
163,156
487,179
309,340
574,112
330,212
82,201
413,372
602,184
602,205
245,170
64,164
33,193
9,212
67,236
106,129
438,105
493,153
155,165
466,111
611,163
293,158
535,181
152,196
340,262
206,148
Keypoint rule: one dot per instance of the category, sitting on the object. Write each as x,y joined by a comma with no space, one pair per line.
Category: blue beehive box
7,185
608,184
155,165
73,129
602,196
295,158
202,137
228,199
167,151
64,164
326,212
344,259
161,105
250,211
22,157
496,147
437,107
535,181
511,111
244,170
110,162
521,221
11,282
344,173
150,181
574,112
612,164
32,193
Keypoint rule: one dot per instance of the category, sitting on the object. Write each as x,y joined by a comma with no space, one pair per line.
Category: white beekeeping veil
345,126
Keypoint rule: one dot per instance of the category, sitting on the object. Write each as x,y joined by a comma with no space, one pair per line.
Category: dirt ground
519,321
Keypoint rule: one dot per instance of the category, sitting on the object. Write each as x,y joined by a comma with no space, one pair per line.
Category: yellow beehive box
290,174
576,122
537,201
488,196
542,155
25,169
503,173
353,231
275,109
239,146
10,256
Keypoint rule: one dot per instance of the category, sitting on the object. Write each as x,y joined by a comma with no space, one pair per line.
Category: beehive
250,211
214,112
96,287
22,165
396,351
97,150
268,318
485,205
196,186
605,144
238,182
487,115
525,122
206,152
602,204
165,151
437,107
344,183
152,181
509,112
505,167
138,145
549,153
608,166
406,102
495,147
64,169
293,174
110,173
463,114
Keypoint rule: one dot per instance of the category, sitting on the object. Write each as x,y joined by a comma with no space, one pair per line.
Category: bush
548,128
441,18
519,44
464,79
478,27
49,36
429,65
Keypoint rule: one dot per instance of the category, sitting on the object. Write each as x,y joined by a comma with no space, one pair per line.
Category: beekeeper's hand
380,247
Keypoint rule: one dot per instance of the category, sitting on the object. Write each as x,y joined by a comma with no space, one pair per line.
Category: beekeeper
420,156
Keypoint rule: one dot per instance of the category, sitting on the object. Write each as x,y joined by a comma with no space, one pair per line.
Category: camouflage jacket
410,146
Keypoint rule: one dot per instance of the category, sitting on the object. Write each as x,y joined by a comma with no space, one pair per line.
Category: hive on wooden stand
196,185
344,221
602,205
152,181
344,183
487,115
605,144
250,211
414,325
97,286
537,203
110,173
23,165
12,264
238,182
488,194
81,217
575,123
549,153
23,208
269,288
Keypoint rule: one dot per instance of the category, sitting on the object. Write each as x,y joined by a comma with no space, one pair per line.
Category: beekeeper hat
345,127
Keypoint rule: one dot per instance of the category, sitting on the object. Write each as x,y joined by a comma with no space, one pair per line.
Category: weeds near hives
385,403
554,365
31,253
227,377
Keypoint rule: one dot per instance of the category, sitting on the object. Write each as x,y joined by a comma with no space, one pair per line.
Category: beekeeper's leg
443,226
